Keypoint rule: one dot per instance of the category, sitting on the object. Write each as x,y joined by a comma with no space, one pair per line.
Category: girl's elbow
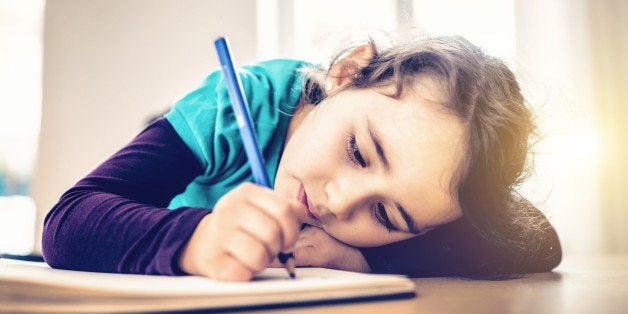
54,239
552,253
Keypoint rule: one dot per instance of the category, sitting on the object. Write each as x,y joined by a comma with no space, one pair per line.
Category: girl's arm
115,220
456,249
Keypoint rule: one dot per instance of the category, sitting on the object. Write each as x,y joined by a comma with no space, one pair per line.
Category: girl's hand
316,248
246,230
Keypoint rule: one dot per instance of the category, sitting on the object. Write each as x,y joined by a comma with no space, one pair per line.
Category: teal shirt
206,123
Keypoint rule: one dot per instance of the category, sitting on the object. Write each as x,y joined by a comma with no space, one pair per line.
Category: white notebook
35,287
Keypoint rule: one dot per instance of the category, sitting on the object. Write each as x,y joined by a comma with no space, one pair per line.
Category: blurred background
80,78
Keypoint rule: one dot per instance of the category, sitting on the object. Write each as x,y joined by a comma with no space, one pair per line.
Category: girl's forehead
421,110
426,86
412,127
425,102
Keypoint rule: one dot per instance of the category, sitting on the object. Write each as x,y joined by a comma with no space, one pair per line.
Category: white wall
109,65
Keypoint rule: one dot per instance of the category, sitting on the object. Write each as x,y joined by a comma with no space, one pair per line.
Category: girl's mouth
302,198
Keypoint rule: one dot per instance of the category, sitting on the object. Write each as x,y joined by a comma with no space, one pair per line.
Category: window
302,29
489,24
20,108
297,29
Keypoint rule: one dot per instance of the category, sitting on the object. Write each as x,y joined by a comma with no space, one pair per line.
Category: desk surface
581,284
584,284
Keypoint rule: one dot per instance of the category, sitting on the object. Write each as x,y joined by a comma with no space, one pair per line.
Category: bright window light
315,21
20,111
17,225
489,24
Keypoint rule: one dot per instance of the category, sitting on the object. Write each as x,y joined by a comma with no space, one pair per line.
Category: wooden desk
581,284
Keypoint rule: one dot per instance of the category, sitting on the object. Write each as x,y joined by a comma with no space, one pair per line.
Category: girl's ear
343,71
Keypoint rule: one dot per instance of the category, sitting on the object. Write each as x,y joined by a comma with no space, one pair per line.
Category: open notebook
35,287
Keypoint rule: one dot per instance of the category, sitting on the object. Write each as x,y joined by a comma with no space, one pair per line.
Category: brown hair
484,93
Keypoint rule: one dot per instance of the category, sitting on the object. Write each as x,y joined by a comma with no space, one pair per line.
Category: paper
122,292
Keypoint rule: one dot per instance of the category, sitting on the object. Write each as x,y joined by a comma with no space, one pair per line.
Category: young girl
395,160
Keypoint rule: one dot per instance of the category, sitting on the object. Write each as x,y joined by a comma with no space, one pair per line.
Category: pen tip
287,259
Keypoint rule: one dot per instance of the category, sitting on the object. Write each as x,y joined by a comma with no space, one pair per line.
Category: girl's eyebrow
376,138
408,219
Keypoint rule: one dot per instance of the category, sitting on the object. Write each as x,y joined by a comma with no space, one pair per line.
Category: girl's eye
382,217
354,152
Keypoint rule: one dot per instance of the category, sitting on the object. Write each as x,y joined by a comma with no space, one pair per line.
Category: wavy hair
483,92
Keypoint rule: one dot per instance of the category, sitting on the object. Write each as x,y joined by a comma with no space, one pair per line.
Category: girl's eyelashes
382,217
379,210
353,151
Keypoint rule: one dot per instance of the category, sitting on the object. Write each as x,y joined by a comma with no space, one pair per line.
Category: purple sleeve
115,220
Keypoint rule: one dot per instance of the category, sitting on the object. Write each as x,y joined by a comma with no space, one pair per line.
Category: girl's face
372,169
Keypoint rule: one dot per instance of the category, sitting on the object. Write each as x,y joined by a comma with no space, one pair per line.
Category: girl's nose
344,197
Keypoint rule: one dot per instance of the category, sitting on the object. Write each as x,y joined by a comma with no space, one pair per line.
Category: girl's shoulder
279,64
281,71
205,116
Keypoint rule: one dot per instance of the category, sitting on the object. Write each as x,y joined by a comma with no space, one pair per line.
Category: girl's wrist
189,259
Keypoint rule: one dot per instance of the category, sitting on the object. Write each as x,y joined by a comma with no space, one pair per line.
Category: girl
396,160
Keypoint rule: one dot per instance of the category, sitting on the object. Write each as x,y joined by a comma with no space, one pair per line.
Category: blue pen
241,108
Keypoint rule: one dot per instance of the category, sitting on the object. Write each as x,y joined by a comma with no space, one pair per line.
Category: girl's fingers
264,228
275,263
250,225
248,251
287,213
229,268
